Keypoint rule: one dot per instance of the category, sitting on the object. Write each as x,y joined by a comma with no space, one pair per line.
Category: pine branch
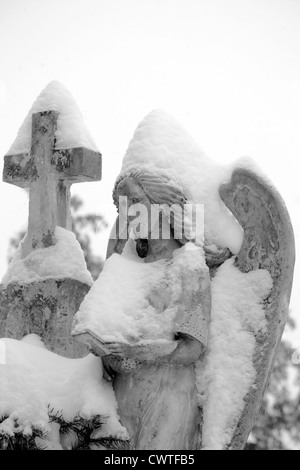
82,428
20,441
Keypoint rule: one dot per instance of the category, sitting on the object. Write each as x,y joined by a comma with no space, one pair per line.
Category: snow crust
34,381
34,340
228,373
71,129
133,301
63,260
161,145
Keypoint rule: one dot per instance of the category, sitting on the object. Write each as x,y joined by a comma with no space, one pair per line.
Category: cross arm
19,170
77,164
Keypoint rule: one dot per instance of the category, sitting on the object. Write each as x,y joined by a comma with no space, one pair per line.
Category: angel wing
268,244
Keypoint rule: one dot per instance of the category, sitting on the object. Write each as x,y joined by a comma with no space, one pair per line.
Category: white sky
228,70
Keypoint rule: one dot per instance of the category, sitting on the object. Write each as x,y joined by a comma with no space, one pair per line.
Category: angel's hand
187,352
141,352
216,256
120,349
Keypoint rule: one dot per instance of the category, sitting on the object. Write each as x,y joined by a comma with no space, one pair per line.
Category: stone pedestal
45,308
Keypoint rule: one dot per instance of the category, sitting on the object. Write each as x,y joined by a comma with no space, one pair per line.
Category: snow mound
34,340
63,260
71,130
161,145
133,301
228,374
34,380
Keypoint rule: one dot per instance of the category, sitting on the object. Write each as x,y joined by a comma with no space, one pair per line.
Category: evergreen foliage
80,433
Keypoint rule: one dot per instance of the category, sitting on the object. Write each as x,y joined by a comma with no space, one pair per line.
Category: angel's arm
185,350
214,256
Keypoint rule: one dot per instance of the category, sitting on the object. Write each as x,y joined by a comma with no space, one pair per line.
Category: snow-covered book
137,303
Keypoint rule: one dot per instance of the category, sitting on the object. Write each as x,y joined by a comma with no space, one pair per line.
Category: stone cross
49,174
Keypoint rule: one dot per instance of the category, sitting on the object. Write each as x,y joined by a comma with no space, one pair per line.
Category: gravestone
46,307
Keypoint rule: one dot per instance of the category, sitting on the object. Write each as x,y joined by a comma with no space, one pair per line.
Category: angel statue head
155,208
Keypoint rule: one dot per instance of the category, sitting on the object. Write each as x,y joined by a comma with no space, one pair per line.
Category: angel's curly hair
159,188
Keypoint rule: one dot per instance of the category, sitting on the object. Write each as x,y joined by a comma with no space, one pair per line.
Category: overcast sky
228,70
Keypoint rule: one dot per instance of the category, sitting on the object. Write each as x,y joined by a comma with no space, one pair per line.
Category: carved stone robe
157,400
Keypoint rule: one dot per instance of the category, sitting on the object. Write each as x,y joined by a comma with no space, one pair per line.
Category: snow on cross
48,170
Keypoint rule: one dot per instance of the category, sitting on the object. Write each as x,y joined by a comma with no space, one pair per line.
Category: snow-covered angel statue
188,310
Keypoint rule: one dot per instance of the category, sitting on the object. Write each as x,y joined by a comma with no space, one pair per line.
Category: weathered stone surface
45,308
268,244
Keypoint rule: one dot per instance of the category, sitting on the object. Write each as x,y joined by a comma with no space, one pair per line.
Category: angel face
134,193
138,206
153,207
